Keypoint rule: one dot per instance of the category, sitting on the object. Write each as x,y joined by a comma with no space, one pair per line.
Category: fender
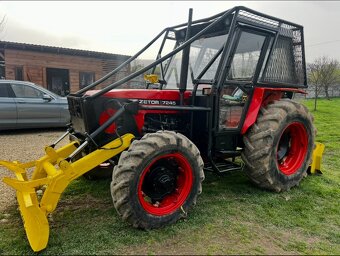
261,97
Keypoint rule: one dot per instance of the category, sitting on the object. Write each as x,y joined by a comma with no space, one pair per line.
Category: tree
323,73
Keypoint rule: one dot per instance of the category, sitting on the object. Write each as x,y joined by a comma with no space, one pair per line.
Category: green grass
231,217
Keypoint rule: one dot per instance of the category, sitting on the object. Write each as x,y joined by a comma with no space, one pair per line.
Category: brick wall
35,63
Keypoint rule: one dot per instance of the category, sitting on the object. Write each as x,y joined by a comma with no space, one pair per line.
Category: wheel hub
283,146
160,181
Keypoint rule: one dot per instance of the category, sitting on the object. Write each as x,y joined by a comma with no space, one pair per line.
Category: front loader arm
52,174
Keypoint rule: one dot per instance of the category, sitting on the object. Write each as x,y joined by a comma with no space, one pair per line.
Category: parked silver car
26,105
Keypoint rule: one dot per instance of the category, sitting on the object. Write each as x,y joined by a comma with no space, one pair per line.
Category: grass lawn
231,217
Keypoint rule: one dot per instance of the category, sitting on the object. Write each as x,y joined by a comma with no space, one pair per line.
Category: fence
333,92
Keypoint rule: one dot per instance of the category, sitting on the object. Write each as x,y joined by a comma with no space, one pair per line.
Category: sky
124,27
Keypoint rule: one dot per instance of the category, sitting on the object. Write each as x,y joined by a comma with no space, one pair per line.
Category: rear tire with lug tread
157,180
278,147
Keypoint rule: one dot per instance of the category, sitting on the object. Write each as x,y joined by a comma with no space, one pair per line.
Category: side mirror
47,97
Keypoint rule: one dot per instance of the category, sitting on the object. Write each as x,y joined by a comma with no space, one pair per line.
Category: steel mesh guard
286,63
246,15
281,63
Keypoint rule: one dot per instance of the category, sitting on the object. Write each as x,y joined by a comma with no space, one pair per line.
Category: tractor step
222,166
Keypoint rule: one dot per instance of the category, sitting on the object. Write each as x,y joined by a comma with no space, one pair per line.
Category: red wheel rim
292,148
175,199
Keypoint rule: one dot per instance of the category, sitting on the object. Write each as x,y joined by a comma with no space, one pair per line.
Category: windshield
204,54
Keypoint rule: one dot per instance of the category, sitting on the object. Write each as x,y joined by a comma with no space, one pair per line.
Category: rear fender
261,97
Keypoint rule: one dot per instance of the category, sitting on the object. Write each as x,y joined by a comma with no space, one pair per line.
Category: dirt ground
23,146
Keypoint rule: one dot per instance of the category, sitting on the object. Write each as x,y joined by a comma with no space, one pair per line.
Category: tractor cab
222,64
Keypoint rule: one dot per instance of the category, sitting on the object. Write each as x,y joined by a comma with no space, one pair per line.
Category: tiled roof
60,50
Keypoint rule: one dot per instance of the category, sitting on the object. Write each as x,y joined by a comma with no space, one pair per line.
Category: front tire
278,147
157,180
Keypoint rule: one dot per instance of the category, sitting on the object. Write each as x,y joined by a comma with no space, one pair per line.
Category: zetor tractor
220,88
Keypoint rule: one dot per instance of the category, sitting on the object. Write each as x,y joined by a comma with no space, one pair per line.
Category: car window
4,90
25,91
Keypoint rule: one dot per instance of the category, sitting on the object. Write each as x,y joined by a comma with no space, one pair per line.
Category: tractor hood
146,96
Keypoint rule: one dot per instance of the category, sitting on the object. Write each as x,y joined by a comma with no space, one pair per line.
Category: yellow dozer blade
39,196
315,167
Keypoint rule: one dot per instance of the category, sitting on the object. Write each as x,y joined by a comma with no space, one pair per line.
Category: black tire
135,182
278,147
100,172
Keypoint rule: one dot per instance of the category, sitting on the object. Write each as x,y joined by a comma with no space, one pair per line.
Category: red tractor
224,90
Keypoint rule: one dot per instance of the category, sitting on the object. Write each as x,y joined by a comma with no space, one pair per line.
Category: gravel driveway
23,146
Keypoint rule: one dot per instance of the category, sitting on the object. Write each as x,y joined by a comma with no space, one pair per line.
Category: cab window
246,56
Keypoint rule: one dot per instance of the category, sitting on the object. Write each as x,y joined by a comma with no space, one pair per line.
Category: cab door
249,51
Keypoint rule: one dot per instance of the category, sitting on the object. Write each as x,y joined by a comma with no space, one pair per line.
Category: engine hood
146,96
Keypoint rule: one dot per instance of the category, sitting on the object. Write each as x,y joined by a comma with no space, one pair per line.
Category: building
61,70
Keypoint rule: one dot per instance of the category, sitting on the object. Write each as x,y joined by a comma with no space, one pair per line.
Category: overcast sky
125,27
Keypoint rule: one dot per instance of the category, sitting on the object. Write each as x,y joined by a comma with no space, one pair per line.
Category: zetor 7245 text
219,89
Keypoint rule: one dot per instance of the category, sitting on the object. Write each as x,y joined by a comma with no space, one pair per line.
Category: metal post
185,62
60,139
